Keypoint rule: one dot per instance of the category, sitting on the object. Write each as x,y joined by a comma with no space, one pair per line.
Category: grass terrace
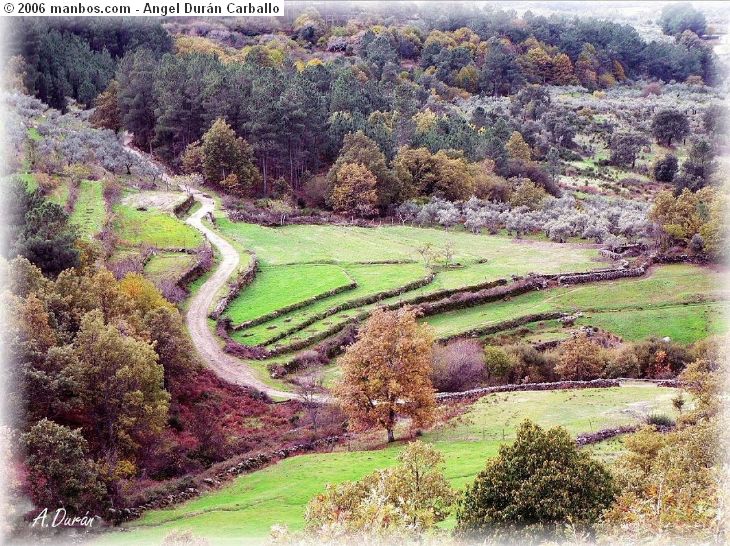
356,252
155,228
90,212
251,504
666,287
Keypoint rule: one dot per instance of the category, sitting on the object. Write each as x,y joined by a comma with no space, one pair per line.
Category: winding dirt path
224,365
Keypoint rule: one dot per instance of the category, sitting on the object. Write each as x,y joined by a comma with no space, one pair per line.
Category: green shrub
659,420
537,484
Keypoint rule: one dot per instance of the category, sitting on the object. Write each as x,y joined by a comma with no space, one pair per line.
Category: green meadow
251,504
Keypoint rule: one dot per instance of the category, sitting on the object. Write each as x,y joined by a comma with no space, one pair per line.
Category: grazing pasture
355,252
154,228
251,504
665,286
89,213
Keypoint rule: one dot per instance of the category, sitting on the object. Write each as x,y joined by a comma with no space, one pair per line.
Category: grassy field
370,279
669,285
89,213
349,244
277,287
278,494
481,258
682,323
155,228
164,265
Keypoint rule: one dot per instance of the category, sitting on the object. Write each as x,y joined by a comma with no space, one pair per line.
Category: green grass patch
350,244
682,323
665,286
281,286
89,213
370,279
168,265
482,257
155,228
34,134
251,504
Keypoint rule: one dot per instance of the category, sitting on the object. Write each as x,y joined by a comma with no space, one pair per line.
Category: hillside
367,273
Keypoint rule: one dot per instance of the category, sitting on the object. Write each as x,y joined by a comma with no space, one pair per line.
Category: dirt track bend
224,365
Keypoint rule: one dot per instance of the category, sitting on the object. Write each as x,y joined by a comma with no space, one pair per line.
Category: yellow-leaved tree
387,372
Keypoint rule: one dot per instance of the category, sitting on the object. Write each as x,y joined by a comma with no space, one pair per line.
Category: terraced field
667,287
89,213
382,261
153,227
168,265
251,504
145,219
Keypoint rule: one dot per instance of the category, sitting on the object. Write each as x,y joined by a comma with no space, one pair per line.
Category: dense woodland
552,129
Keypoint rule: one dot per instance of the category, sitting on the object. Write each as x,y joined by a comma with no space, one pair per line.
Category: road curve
224,365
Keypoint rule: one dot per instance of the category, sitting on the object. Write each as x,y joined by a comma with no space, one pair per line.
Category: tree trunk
391,436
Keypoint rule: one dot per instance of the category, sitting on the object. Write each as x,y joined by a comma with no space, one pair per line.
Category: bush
622,363
665,168
499,363
457,366
659,420
661,359
531,365
580,359
540,482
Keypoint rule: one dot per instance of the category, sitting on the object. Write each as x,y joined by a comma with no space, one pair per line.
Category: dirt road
224,365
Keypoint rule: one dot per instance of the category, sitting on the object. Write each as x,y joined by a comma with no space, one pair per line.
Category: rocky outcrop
201,266
605,275
183,207
604,434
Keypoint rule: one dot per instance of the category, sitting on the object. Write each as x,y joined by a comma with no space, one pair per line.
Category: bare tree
310,390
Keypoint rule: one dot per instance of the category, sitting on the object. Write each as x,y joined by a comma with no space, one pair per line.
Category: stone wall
244,278
189,489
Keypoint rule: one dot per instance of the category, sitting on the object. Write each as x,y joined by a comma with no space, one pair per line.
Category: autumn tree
106,108
359,148
224,154
411,497
579,359
668,125
527,194
60,473
122,383
517,148
354,190
536,65
454,179
563,70
387,372
680,217
542,480
192,158
414,168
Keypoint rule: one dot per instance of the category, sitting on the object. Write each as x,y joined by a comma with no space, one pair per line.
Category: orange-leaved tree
387,372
